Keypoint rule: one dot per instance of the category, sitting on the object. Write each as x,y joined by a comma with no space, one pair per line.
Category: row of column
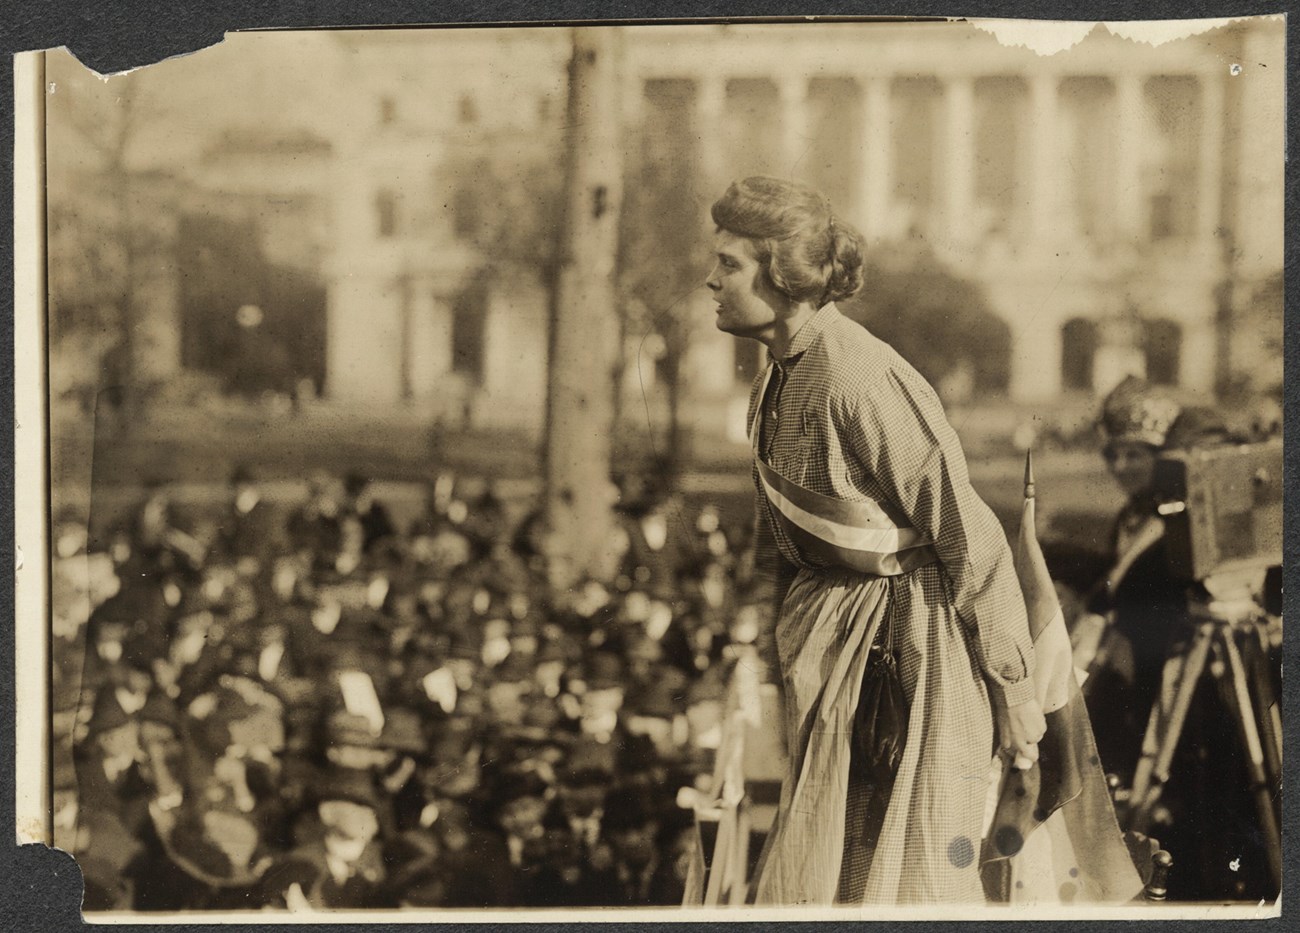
1046,161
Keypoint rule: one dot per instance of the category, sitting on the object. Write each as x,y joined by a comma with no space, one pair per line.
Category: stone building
1102,196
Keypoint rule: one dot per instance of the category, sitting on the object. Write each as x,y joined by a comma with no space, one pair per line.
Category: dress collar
808,333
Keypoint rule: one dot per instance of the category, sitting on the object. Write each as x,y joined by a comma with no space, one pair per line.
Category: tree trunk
580,390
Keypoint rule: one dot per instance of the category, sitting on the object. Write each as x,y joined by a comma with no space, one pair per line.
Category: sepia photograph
720,470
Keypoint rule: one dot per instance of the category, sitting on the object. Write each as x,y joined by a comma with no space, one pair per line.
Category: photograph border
129,37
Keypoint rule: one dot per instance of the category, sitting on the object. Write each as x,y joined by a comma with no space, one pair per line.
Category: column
1209,194
632,97
710,97
874,184
1196,364
959,106
1130,125
1045,167
795,141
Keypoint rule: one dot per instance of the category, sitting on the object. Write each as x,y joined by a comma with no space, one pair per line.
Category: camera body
1222,506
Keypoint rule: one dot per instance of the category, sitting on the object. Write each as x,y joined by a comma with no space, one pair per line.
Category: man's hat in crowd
1139,412
664,696
242,475
350,784
344,728
626,808
107,714
710,687
604,670
588,762
403,732
515,784
160,709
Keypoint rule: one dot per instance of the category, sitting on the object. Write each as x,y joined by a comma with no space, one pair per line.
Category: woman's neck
787,325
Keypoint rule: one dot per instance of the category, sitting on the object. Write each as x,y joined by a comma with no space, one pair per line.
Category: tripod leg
1236,692
1255,658
1165,729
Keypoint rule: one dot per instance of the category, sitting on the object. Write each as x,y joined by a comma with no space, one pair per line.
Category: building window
468,109
1078,352
469,333
386,213
387,110
1162,343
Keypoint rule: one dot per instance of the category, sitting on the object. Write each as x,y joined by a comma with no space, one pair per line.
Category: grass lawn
197,453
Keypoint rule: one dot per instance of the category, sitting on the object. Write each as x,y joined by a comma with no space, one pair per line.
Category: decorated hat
1137,411
197,843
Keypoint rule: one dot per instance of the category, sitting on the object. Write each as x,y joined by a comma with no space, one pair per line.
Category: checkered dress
845,416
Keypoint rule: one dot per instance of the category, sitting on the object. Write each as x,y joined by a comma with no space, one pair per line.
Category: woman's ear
775,280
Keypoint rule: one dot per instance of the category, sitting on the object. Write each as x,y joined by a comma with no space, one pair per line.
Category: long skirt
925,847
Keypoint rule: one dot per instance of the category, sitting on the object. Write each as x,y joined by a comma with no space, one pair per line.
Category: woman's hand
1019,729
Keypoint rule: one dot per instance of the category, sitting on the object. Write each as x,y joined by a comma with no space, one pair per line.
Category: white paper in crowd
360,698
377,592
325,618
440,687
268,662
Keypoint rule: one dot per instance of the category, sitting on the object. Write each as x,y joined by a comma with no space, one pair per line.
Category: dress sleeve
898,432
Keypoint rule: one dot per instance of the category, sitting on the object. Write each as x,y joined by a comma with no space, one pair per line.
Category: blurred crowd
330,706
319,706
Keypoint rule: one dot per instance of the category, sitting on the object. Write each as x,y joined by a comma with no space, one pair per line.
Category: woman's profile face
747,301
1132,464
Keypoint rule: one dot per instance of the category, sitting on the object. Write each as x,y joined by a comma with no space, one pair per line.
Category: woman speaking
904,652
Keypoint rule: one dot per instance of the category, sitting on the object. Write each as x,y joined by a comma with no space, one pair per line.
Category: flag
721,818
1053,837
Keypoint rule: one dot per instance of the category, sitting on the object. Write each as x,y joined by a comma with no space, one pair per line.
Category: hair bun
846,261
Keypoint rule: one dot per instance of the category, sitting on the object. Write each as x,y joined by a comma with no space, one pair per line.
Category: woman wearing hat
1138,618
1135,610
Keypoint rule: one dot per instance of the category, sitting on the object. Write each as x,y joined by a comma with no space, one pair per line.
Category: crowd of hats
320,707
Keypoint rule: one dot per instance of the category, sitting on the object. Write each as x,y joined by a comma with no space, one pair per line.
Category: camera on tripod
1222,506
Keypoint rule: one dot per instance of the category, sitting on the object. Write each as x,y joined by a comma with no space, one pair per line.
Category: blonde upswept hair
809,253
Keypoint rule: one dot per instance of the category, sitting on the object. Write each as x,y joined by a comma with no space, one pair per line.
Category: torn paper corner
1050,37
30,830
1043,37
108,75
